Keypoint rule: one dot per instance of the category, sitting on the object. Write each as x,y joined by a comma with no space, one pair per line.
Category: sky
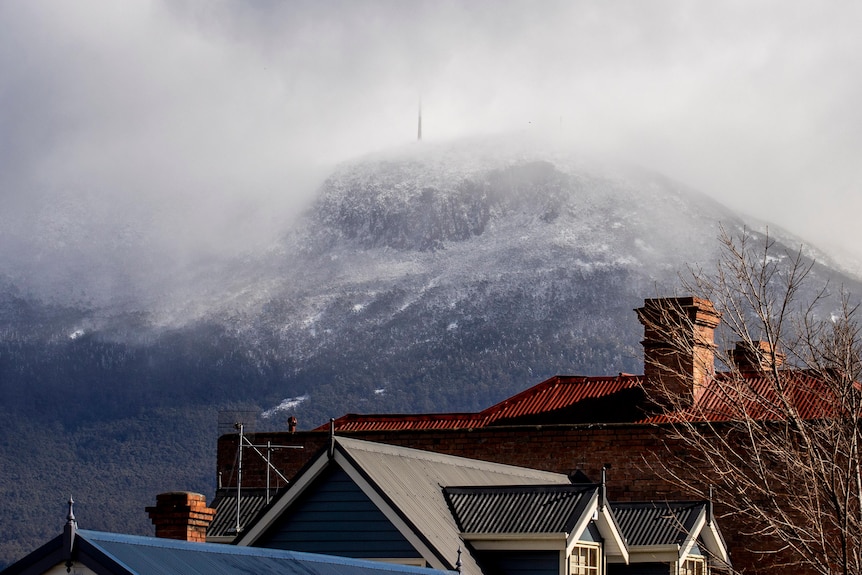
201,127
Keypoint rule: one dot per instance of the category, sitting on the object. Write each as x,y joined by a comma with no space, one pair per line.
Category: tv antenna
243,443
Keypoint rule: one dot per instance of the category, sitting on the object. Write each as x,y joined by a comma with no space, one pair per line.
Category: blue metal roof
144,555
116,554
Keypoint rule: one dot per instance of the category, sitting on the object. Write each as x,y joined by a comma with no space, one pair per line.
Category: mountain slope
430,278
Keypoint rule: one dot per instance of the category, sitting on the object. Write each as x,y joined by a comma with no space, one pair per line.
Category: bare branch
776,427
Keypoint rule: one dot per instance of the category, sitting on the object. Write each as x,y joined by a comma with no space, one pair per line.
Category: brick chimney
181,515
679,345
754,356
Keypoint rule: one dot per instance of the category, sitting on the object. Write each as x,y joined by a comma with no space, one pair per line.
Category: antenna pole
710,512
419,133
603,490
331,437
239,426
268,466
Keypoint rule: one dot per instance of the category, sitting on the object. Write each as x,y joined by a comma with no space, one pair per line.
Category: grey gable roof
407,484
116,554
519,509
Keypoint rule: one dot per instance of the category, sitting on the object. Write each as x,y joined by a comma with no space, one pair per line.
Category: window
693,566
585,560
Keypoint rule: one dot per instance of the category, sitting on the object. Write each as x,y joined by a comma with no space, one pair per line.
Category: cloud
189,129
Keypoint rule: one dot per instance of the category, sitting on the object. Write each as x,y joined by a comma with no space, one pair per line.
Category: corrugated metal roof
225,520
398,422
726,397
556,393
519,509
657,523
755,395
135,555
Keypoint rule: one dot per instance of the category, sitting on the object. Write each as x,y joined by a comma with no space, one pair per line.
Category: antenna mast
419,133
239,426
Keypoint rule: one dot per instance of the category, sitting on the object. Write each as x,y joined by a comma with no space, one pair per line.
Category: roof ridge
351,443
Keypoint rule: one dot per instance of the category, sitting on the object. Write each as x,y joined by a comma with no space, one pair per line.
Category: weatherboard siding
335,517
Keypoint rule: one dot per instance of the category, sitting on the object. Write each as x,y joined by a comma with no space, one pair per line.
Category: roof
574,399
398,422
729,397
408,486
657,523
492,515
116,554
597,396
225,521
675,526
519,509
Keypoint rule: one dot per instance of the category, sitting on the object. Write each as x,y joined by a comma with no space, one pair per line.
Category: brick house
566,424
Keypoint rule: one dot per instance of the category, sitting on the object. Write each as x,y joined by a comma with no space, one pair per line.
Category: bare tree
774,421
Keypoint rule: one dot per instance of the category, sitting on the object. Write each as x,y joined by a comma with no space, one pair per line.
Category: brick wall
181,515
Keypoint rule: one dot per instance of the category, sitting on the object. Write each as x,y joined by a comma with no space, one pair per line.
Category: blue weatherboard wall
335,517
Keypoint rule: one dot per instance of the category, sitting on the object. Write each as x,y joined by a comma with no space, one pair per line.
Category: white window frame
577,568
692,565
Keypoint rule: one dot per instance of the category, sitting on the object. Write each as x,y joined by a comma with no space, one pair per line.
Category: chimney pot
755,356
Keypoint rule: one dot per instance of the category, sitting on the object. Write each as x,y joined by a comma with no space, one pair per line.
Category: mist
140,139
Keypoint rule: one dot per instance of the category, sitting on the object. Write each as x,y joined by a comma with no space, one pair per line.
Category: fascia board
614,542
714,543
40,560
383,504
287,498
517,541
691,536
653,553
584,520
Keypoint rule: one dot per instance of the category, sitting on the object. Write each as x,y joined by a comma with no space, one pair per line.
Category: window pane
584,560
